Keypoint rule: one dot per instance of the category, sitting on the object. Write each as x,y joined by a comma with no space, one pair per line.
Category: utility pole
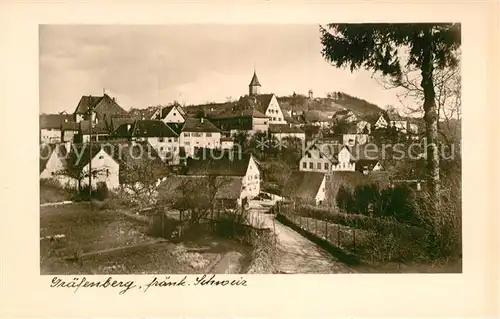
90,111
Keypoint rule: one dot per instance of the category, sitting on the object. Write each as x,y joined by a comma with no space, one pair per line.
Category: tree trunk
431,119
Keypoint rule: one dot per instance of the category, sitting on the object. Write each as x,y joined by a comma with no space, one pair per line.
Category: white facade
363,127
381,123
350,117
315,161
321,194
106,170
190,140
173,116
251,180
166,147
55,167
274,112
352,139
50,136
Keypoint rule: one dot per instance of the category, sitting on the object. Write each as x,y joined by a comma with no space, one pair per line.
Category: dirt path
296,253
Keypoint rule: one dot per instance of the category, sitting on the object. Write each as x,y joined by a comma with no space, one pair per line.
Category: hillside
334,102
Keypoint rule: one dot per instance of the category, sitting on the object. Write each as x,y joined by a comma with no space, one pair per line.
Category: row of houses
172,135
118,166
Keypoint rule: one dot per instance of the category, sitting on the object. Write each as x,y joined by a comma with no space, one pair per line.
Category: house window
170,140
107,172
174,148
274,119
279,118
208,143
320,155
101,157
161,139
318,165
175,139
326,166
311,165
175,114
209,134
265,122
161,149
186,134
304,165
187,143
256,176
309,155
197,143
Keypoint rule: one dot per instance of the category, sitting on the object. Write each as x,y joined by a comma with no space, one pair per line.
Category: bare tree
447,84
197,197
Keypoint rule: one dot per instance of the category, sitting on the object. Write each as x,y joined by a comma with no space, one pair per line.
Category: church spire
254,86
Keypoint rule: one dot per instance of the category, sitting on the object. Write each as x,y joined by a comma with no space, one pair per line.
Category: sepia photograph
250,149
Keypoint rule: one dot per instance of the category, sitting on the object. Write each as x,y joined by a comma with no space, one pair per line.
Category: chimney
114,99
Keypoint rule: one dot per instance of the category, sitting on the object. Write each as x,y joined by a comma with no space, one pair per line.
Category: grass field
52,194
106,242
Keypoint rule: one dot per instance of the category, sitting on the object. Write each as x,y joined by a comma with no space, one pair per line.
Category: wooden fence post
338,235
354,239
326,230
163,225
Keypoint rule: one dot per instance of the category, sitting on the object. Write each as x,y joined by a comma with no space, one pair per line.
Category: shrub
344,199
101,192
264,253
365,199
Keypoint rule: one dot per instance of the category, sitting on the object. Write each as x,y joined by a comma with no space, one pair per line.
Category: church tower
254,86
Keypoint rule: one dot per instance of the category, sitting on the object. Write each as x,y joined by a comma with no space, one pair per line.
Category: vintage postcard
210,159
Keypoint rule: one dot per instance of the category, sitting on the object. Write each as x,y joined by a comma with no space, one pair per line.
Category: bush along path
295,253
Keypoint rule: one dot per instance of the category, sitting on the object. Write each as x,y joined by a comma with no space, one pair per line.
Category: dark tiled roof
314,116
255,80
70,126
176,127
329,150
292,120
228,187
342,113
101,104
259,102
143,128
199,125
362,163
303,185
284,128
100,128
54,121
119,120
217,164
249,112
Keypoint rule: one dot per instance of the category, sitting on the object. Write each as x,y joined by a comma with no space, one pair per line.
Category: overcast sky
149,65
